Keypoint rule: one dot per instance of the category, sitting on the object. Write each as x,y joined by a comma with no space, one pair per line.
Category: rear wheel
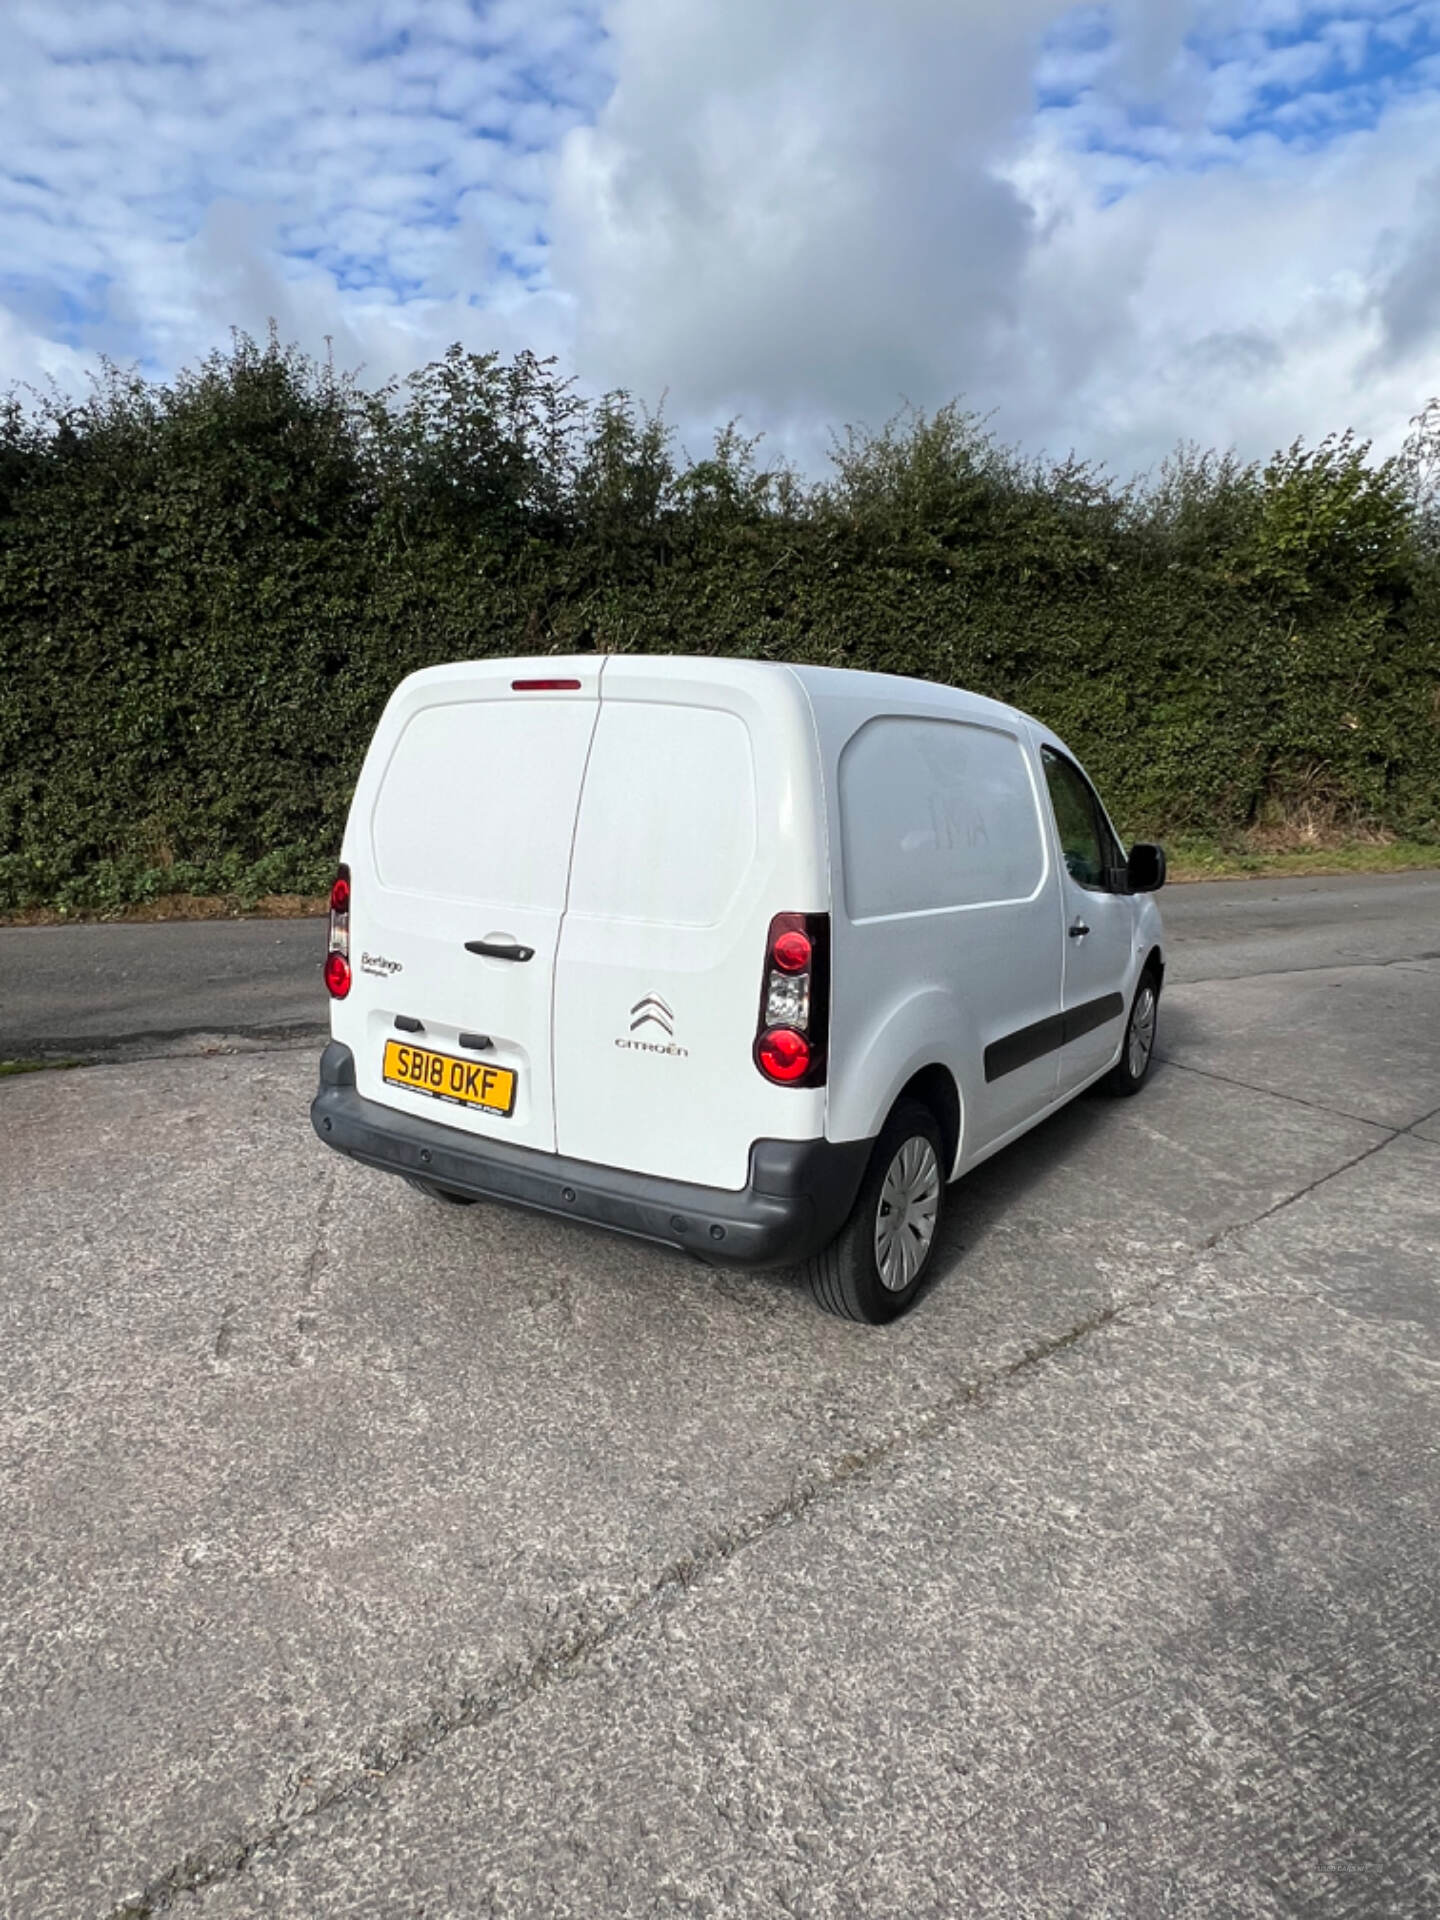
1128,1073
431,1191
873,1268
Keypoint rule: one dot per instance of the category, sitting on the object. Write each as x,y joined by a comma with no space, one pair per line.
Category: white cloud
172,168
812,225
1113,226
795,212
1239,306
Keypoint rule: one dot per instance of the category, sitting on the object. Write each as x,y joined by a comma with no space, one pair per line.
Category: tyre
874,1267
432,1192
1128,1074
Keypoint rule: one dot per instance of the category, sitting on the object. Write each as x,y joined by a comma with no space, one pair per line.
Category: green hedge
209,588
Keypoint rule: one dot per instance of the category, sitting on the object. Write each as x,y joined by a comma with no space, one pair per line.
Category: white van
747,958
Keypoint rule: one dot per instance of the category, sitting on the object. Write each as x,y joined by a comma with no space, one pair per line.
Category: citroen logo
653,1009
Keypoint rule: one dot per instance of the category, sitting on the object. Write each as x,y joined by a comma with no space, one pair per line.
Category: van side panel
700,820
949,943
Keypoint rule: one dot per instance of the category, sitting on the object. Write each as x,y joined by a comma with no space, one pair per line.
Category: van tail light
791,1039
784,1055
337,960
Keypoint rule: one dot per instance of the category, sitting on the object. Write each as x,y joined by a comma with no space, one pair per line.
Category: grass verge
1200,859
177,906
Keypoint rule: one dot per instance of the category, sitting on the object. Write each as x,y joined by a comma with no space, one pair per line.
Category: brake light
784,1054
791,952
544,686
794,1024
337,960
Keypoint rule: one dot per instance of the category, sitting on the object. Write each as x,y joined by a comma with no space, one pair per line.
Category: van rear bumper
797,1198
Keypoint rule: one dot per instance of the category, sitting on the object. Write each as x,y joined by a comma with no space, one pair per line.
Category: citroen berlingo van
746,958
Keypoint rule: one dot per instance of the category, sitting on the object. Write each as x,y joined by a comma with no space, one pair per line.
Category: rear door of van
702,817
459,847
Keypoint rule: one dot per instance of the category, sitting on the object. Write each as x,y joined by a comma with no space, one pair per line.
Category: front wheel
872,1269
1128,1073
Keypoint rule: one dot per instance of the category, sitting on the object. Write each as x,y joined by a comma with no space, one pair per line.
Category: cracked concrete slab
1147,1630
1365,1242
1359,1040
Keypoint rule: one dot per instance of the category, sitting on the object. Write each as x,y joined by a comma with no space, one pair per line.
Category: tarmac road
365,1556
83,989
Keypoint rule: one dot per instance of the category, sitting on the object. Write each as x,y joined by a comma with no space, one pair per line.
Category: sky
1109,228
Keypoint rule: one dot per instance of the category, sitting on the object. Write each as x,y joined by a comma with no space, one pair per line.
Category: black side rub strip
1094,1013
1018,1049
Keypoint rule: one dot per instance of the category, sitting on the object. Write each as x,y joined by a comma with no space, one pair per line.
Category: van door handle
499,950
1079,930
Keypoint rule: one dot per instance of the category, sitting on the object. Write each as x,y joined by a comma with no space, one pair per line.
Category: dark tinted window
1086,844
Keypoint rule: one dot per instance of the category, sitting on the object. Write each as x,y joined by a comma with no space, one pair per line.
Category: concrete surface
1150,1630
367,1556
88,989
1362,1040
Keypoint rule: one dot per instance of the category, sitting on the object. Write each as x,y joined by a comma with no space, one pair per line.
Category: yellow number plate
467,1083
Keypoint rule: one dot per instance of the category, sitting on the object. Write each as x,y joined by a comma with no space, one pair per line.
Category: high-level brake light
544,686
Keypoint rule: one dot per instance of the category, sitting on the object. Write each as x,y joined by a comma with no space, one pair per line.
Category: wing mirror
1145,869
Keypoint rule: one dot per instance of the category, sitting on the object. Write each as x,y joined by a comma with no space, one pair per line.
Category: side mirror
1145,869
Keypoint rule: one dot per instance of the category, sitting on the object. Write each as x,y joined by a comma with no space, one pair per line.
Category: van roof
852,683
822,683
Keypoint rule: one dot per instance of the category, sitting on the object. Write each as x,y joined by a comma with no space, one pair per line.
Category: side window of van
936,814
1086,843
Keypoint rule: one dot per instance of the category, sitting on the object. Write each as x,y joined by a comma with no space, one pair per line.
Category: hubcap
1142,1032
909,1208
